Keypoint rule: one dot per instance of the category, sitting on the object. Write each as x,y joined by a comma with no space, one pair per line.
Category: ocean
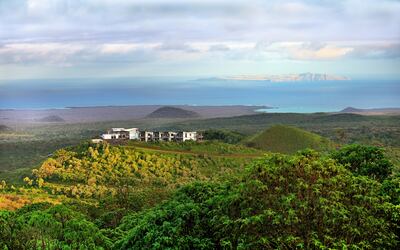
302,97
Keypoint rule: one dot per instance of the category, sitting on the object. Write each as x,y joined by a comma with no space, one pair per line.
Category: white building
146,136
121,133
187,136
110,136
135,134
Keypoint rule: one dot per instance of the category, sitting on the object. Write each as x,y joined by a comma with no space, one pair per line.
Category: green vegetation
286,139
38,141
161,200
27,146
365,160
378,130
223,135
305,201
99,170
206,147
14,155
218,194
42,226
96,171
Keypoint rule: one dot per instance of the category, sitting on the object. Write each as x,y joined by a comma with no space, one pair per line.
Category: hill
172,112
287,139
372,111
350,110
4,128
51,118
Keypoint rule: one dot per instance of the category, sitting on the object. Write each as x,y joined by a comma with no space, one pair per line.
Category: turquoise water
304,97
297,110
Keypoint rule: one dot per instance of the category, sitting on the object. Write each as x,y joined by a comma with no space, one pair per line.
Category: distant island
280,78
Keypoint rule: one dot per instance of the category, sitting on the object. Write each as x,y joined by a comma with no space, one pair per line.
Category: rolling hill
172,112
4,128
287,139
51,118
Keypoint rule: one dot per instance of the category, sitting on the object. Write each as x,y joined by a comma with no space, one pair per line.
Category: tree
42,226
283,202
6,229
364,160
223,135
391,188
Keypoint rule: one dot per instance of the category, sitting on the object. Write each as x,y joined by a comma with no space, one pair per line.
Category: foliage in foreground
364,160
304,201
42,226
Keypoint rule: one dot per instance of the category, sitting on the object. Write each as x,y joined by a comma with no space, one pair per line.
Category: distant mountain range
281,78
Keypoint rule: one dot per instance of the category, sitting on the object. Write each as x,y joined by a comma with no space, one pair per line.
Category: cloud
73,53
70,54
376,51
218,47
129,33
175,46
123,48
309,51
192,21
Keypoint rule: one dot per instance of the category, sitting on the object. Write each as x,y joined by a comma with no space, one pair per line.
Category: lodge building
150,136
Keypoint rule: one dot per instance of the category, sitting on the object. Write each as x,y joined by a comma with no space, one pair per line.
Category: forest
101,196
314,182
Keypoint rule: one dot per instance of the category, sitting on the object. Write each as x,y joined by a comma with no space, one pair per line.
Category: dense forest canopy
127,197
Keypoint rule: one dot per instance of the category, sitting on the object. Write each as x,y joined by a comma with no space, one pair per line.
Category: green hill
287,139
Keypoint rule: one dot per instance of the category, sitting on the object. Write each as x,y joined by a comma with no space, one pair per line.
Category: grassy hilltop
288,139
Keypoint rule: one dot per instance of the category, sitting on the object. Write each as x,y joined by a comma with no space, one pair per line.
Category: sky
119,38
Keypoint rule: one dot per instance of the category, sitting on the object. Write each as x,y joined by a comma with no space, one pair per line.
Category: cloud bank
139,37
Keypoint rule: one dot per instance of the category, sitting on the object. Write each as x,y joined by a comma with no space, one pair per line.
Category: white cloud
73,53
160,32
321,52
194,21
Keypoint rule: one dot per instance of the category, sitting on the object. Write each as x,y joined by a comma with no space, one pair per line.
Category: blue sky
120,38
